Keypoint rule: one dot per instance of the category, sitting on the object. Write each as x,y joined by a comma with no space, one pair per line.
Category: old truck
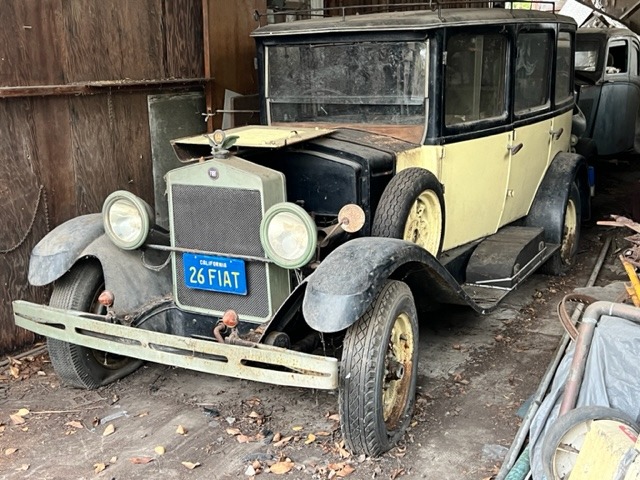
405,160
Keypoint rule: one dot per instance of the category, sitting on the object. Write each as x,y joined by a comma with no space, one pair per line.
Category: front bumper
262,363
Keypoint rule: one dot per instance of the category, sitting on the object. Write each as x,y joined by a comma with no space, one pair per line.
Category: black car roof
410,20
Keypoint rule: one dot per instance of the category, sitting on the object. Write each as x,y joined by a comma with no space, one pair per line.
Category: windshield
587,56
375,86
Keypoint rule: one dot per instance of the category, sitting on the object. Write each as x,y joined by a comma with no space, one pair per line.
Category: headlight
127,219
288,235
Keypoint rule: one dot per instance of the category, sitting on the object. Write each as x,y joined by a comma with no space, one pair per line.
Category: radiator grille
224,220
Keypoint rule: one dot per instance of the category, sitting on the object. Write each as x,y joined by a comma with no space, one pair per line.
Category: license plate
216,274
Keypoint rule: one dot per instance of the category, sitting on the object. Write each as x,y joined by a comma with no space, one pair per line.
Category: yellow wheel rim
397,371
569,233
424,222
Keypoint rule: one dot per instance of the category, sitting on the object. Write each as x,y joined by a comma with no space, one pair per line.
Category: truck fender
547,209
56,253
344,285
125,274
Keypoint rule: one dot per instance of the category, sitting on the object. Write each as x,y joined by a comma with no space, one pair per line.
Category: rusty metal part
234,339
218,332
262,363
351,218
230,318
565,319
106,298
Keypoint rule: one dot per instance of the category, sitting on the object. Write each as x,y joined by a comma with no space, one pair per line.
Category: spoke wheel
79,366
412,208
378,372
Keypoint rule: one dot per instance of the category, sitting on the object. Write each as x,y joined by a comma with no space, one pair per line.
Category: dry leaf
10,451
23,412
323,434
277,437
99,467
297,428
310,439
233,431
181,430
397,473
335,417
16,419
109,430
75,424
281,468
113,460
24,467
25,429
142,414
190,465
14,371
159,450
255,414
243,438
2,427
140,460
344,471
282,442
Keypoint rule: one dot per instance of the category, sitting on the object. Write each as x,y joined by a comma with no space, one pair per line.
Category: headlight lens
288,235
127,219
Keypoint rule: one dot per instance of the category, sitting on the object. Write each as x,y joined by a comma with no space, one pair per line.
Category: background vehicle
609,88
406,159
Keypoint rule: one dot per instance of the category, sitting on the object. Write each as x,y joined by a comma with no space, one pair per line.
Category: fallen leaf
25,429
99,467
277,437
190,465
233,431
10,451
109,430
280,468
323,434
254,414
397,473
40,373
23,412
310,439
250,471
113,460
159,450
297,428
335,417
2,427
142,414
75,424
23,468
282,442
140,460
243,438
16,419
14,371
344,471
181,430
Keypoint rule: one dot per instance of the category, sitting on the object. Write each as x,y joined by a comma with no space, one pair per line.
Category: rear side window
617,57
475,77
563,68
532,70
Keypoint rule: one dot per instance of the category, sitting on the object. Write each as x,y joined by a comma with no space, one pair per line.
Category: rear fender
547,210
346,283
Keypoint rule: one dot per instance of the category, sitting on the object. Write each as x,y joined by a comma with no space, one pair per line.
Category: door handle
513,149
556,134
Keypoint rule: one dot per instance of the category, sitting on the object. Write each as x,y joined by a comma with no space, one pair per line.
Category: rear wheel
79,366
378,372
562,260
412,208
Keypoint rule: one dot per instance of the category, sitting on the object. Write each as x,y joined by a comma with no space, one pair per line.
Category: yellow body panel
485,186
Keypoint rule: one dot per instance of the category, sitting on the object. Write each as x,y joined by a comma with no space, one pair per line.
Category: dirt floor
475,375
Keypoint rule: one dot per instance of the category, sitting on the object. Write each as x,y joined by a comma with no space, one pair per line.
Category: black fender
344,285
132,283
547,209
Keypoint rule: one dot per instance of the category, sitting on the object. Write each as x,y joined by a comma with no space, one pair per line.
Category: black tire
370,423
571,427
412,188
78,366
562,260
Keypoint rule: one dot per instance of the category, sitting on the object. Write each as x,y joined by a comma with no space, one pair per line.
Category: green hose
521,468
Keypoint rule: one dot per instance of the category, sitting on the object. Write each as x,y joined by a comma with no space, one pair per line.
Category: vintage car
608,86
406,160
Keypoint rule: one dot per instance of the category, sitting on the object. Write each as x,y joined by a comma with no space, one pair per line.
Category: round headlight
127,219
288,235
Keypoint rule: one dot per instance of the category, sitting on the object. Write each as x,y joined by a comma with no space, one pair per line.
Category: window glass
532,70
586,55
618,57
563,67
475,77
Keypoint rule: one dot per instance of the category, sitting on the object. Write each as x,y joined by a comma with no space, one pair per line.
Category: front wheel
78,366
378,372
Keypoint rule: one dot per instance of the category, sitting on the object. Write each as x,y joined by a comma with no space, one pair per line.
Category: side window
617,57
532,70
475,77
564,88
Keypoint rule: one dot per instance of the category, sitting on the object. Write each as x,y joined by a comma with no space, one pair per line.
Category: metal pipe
523,431
590,319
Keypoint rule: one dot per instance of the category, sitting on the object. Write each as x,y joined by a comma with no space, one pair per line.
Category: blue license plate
216,274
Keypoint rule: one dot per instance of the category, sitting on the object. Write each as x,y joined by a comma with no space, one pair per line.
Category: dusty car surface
405,160
608,87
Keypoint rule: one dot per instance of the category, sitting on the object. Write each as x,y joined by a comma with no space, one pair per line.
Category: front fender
56,253
345,284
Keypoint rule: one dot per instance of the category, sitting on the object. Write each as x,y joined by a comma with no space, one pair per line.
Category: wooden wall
62,154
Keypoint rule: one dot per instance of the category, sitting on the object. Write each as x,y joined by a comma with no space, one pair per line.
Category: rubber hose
521,468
